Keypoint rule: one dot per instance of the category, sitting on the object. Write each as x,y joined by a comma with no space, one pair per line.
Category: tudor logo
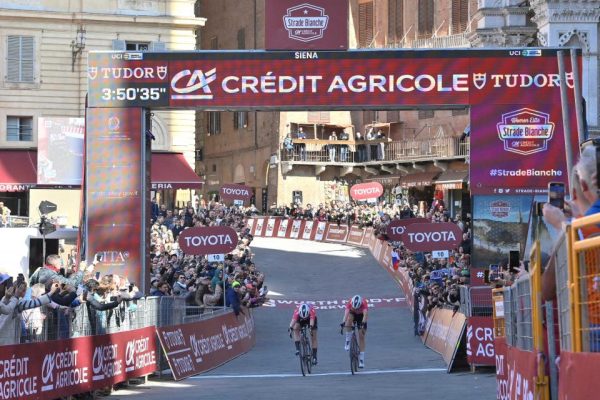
161,72
198,80
92,72
479,80
114,123
305,22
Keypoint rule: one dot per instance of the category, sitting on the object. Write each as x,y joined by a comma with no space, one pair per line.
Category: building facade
44,46
424,152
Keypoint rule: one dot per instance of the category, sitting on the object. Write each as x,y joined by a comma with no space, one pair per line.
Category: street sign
440,254
215,258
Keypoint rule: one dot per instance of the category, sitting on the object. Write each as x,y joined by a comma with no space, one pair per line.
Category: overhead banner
60,150
115,192
60,368
330,79
306,25
200,346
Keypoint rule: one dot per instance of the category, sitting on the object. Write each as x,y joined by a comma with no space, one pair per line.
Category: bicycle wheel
354,354
307,353
301,356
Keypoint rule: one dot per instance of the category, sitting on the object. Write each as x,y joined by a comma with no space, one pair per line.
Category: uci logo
198,80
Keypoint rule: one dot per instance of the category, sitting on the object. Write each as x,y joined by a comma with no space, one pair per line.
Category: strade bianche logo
198,81
525,131
305,22
500,208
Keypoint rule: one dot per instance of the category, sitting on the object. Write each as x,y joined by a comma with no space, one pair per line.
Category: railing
375,152
44,323
563,293
441,42
476,301
14,221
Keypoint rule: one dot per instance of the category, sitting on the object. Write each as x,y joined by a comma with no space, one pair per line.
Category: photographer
93,296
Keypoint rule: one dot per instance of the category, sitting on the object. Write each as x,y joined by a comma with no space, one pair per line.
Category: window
19,129
462,111
396,20
214,168
134,46
365,24
460,16
214,122
19,59
214,43
241,39
425,18
425,114
240,119
318,117
200,154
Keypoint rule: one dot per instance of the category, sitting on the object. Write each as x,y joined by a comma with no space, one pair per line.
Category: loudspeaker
47,207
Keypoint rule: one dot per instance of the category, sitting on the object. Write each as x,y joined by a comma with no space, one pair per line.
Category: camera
113,298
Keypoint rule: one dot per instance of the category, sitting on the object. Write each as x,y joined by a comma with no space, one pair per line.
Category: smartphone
99,257
97,276
556,194
513,260
494,268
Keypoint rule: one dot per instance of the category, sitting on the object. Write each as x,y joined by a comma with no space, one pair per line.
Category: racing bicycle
354,349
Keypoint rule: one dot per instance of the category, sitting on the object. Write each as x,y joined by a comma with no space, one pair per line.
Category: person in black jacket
233,298
95,306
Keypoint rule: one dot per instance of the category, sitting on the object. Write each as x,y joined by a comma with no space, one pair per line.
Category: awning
18,170
385,180
172,171
419,179
451,180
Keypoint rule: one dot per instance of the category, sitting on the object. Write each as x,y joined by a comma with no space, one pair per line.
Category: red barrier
308,230
60,368
201,346
515,379
260,227
271,229
296,229
356,235
250,223
368,236
337,233
480,341
319,231
282,229
578,376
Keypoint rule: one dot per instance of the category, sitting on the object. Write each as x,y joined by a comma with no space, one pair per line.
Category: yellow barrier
535,270
584,280
498,313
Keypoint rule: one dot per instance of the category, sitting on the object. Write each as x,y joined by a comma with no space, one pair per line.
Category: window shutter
158,46
13,58
236,120
241,39
119,45
425,18
12,129
214,43
365,24
396,20
460,16
20,58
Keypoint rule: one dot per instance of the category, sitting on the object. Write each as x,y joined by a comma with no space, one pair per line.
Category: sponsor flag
395,260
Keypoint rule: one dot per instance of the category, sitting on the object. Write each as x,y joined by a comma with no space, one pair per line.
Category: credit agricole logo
305,22
525,131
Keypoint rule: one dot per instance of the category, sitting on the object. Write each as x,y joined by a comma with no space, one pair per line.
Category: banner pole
578,97
564,102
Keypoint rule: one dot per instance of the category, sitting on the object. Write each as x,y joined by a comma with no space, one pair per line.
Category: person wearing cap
232,297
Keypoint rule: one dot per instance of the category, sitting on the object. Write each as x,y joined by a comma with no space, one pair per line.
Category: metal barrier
510,317
585,273
563,293
476,301
523,310
542,381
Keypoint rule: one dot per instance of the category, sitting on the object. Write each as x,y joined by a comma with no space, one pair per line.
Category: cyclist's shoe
314,361
361,363
297,352
347,346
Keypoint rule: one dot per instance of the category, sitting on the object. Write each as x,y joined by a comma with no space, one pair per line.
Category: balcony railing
375,152
441,42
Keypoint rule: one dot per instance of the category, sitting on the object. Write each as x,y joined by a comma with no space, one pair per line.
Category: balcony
372,153
440,42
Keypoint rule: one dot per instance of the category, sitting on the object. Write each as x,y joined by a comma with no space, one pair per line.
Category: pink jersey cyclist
360,310
311,315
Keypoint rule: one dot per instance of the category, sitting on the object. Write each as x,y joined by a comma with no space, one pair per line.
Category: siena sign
208,240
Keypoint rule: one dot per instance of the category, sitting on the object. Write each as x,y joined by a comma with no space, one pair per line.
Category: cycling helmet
356,302
304,311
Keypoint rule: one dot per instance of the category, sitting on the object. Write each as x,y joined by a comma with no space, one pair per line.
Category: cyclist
303,315
356,311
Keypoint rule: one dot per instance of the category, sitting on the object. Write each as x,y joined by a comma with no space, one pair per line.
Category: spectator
50,272
233,299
